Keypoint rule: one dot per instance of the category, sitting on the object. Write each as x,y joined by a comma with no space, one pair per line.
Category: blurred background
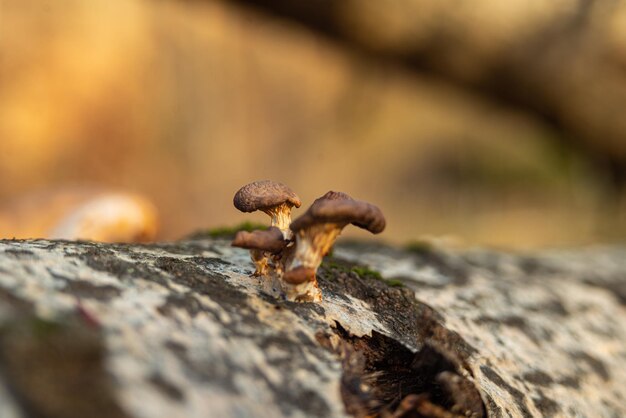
498,123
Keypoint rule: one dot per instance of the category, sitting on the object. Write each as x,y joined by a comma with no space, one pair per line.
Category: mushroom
316,231
104,216
261,244
270,197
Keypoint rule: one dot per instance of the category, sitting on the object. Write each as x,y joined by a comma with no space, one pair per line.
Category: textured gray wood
182,330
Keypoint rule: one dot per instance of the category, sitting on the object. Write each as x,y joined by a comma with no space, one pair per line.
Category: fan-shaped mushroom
316,231
289,266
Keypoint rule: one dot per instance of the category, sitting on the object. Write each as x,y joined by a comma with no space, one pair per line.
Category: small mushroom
316,231
103,216
270,197
261,244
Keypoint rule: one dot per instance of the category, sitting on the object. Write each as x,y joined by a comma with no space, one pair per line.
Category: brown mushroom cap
299,275
339,208
270,240
332,195
264,194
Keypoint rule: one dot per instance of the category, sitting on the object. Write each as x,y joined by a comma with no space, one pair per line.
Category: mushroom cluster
288,254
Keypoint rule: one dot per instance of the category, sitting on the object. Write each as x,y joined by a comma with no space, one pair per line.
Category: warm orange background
184,102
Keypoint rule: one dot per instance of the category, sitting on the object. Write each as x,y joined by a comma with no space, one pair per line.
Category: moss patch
419,247
332,264
227,231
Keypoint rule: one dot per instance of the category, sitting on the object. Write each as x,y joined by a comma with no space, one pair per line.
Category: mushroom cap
264,194
339,208
299,275
270,240
332,195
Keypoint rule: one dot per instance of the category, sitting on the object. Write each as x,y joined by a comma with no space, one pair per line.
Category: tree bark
182,330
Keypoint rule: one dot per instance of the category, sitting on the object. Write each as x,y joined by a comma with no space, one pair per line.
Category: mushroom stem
281,218
260,260
264,247
312,244
308,291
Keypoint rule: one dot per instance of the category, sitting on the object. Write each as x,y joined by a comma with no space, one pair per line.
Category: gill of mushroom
315,233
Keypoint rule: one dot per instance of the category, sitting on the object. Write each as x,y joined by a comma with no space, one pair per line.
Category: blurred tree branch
565,65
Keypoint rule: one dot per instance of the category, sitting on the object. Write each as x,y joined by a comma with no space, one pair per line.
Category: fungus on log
318,228
276,200
316,231
290,269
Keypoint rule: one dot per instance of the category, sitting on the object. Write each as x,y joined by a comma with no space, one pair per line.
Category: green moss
361,271
37,327
43,328
394,283
227,231
419,247
330,263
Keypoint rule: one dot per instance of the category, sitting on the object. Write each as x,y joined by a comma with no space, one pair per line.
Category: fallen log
182,330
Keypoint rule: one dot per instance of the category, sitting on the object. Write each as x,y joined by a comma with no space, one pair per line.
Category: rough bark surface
182,330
